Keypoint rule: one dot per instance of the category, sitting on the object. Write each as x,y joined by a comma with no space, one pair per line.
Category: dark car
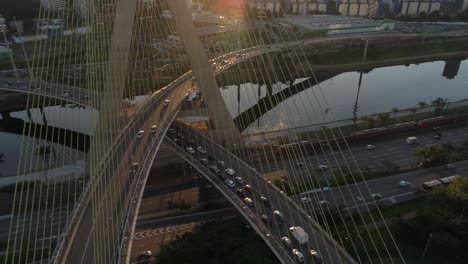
265,201
265,219
240,192
204,161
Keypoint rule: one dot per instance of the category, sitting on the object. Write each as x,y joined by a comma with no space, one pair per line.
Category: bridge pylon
204,74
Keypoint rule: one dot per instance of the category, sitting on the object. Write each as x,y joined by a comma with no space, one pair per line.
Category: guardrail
128,229
344,254
254,221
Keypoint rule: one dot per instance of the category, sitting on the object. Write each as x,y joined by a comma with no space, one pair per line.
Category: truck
299,234
412,140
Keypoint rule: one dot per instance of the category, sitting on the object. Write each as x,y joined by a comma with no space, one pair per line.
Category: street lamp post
3,29
426,247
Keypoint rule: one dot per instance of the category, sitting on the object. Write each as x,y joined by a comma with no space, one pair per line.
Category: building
17,25
416,7
273,6
53,4
303,7
353,8
451,68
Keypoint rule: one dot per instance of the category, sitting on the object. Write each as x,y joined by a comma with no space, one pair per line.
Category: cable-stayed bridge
98,225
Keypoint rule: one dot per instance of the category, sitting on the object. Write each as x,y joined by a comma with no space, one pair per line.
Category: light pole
3,29
426,247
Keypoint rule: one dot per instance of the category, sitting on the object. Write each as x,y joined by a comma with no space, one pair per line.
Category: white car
239,180
248,201
190,150
201,150
166,102
145,254
376,196
324,203
230,183
322,167
370,147
305,200
140,134
404,184
298,256
65,94
450,166
153,129
229,171
220,163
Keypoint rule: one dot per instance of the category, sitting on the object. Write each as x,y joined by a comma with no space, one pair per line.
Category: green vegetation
220,241
443,220
431,155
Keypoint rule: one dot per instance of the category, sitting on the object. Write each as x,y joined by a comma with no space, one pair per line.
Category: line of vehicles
245,191
379,131
427,186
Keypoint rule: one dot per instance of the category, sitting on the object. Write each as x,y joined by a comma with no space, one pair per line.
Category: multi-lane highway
293,216
79,247
391,150
62,92
358,196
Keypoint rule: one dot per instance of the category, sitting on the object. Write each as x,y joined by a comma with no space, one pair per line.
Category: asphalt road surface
358,196
260,187
393,149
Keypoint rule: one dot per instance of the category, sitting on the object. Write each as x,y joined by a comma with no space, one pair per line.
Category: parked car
248,188
376,196
140,134
190,150
166,102
370,147
305,200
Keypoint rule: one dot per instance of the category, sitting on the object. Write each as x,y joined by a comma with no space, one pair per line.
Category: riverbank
346,126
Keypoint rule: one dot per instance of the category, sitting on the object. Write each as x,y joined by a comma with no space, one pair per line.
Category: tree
439,103
413,111
431,155
434,16
422,15
394,111
422,104
384,119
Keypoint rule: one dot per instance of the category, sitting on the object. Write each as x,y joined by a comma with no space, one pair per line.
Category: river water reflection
380,90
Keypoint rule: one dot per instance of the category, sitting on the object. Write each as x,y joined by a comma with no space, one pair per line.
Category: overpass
319,239
76,246
113,193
